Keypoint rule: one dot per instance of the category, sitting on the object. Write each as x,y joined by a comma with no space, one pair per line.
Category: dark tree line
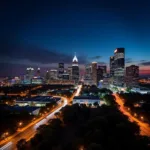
101,128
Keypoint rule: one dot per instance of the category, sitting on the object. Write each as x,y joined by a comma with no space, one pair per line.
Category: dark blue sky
43,33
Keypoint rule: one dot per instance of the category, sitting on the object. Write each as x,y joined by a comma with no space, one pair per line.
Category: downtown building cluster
121,75
54,76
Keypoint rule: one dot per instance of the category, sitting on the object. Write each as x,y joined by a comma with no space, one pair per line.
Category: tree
21,144
96,104
94,146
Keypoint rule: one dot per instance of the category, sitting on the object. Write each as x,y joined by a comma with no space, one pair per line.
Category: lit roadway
29,131
144,127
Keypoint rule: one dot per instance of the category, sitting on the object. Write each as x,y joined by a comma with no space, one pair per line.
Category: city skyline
36,35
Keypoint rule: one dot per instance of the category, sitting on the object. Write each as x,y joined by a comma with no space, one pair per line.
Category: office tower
88,71
29,75
119,64
70,72
112,63
94,72
60,70
104,68
47,76
99,74
53,74
65,76
132,75
38,72
75,70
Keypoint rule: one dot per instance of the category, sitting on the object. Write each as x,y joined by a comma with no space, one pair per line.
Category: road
30,131
144,127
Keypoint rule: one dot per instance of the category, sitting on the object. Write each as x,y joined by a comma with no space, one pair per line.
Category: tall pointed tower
75,69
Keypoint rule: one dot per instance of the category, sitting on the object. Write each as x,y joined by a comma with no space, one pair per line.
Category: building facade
119,66
53,74
75,70
112,63
94,73
132,75
60,70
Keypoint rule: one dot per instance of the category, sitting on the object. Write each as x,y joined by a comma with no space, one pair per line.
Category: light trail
6,146
144,127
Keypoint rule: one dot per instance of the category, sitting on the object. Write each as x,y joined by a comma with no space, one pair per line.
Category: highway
29,131
144,127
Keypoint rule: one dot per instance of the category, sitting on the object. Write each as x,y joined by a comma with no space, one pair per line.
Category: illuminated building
60,70
53,74
94,72
99,74
65,76
70,72
75,70
132,75
88,71
86,100
47,77
119,64
112,63
38,72
37,80
29,75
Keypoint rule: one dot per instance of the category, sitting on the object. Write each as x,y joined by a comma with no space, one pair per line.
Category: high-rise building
88,71
65,76
47,76
99,74
132,75
119,64
112,63
104,68
53,74
75,70
29,75
38,73
60,70
70,72
94,72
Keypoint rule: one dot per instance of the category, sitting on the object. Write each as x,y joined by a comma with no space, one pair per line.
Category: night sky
43,33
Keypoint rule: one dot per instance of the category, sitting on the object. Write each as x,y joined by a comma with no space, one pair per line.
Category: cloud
96,57
21,54
128,60
145,63
102,63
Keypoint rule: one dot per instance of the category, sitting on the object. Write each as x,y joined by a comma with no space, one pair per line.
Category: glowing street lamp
20,123
135,114
142,117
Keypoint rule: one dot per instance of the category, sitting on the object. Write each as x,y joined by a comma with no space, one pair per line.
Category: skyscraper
47,76
119,64
132,75
112,63
75,70
60,70
29,75
104,68
99,74
38,72
94,72
70,72
53,74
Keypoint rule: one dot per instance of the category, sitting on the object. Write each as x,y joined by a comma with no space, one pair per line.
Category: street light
20,123
142,117
6,133
135,114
